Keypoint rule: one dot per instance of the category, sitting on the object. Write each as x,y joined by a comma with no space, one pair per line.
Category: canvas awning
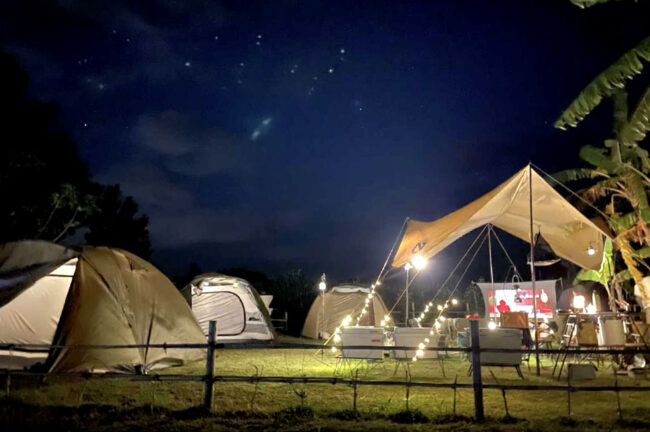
567,231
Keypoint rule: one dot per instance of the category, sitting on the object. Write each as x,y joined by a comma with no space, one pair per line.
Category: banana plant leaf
602,275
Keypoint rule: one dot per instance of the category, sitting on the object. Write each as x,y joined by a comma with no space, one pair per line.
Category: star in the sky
330,70
188,64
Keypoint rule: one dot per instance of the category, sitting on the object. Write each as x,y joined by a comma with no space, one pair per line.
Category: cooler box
412,337
514,320
362,336
500,338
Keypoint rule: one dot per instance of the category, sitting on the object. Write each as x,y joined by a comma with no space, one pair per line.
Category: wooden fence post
476,370
209,367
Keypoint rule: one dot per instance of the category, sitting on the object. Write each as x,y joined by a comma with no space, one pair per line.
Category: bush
408,416
346,415
294,414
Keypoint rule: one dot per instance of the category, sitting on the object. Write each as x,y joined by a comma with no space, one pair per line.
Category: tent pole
532,263
406,314
489,235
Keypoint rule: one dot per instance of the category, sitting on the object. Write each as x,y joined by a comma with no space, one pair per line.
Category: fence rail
209,379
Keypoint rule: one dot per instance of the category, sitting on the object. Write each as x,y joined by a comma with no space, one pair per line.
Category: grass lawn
267,405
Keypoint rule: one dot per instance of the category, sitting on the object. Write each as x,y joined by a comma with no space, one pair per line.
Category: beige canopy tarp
107,297
341,301
567,231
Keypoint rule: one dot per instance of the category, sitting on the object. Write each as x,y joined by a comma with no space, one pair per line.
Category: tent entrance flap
226,308
569,233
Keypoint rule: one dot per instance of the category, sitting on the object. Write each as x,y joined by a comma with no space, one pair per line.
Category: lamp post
322,286
407,267
418,262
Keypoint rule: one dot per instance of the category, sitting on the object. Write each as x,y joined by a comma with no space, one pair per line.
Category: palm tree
620,169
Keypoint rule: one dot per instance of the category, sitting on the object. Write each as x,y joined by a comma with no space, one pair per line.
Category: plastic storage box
362,336
500,338
412,337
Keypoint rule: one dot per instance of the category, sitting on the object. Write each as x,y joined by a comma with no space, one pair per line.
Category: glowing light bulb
382,323
322,286
437,324
419,262
421,346
579,302
419,353
591,308
386,317
440,307
333,349
431,332
337,338
591,251
414,359
492,325
454,301
426,340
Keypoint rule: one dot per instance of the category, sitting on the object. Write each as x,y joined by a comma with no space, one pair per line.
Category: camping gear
586,335
612,332
362,336
567,231
235,305
330,309
52,295
514,320
581,372
500,338
412,337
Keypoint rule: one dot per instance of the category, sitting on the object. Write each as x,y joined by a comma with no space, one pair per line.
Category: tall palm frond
636,128
599,158
606,84
572,175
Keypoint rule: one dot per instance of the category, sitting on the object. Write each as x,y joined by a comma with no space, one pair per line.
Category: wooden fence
209,379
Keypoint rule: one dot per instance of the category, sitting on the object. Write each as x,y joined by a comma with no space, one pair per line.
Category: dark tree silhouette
46,189
43,181
117,222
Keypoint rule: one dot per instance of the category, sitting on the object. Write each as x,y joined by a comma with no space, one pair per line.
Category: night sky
300,134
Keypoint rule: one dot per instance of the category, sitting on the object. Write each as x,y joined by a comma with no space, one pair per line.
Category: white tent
568,232
328,310
51,295
240,312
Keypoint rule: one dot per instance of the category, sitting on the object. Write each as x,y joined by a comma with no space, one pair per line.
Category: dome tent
235,305
50,294
339,302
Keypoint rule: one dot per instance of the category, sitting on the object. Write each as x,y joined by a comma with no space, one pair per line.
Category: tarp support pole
532,264
489,233
392,249
209,367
